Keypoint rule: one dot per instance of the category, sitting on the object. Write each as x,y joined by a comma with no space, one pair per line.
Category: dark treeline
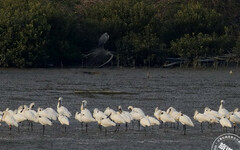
36,33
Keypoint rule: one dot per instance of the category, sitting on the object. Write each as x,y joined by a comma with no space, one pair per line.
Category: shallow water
184,89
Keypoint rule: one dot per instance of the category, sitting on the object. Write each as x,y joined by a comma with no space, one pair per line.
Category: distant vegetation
37,33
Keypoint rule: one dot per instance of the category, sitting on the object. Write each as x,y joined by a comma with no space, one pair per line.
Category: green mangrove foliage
23,32
37,33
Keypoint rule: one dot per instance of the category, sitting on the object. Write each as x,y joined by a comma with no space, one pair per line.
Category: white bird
117,118
222,111
201,118
234,119
125,115
52,112
138,110
108,111
61,109
157,113
63,120
174,113
145,123
236,112
153,121
98,115
10,111
84,110
225,123
31,106
44,121
30,116
9,119
125,112
213,119
136,113
20,109
185,120
209,111
106,122
85,115
166,118
43,113
78,116
86,118
19,117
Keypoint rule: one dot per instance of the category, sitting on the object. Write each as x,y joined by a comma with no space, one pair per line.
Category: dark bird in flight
100,55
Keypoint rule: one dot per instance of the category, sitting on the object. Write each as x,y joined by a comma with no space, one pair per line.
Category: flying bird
100,56
103,39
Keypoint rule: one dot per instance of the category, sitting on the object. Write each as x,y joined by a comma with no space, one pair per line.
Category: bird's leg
86,127
100,127
116,128
126,126
165,127
10,129
105,131
65,128
226,129
201,127
43,129
31,126
18,129
82,125
133,124
234,127
177,125
145,131
138,124
184,129
161,124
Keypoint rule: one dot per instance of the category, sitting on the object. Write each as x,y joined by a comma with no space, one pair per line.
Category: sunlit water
184,89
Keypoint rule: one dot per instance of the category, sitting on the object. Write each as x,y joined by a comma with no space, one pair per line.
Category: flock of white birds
111,117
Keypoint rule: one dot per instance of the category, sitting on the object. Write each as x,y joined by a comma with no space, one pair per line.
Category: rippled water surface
184,89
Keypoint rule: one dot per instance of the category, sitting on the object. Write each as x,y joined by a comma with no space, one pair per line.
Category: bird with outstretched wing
100,56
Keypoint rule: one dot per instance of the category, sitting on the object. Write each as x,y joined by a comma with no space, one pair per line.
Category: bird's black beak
120,110
109,115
